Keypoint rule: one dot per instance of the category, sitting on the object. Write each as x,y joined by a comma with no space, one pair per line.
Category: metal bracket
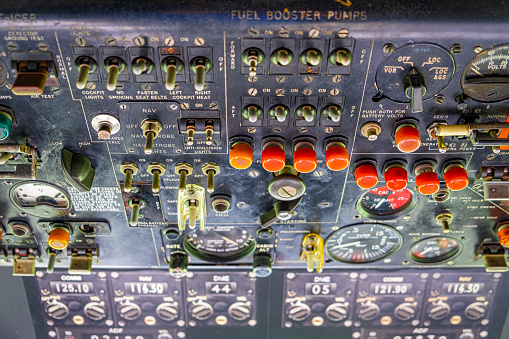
23,171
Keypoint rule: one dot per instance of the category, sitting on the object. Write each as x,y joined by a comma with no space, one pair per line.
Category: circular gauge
486,77
433,64
220,244
40,199
433,250
362,243
382,203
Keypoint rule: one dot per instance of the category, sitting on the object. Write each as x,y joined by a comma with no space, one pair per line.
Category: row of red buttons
396,178
304,159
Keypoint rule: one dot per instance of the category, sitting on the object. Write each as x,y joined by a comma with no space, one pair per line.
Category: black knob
239,311
298,311
337,311
439,310
405,311
287,185
94,311
167,311
475,311
57,310
262,265
178,264
368,311
201,310
129,311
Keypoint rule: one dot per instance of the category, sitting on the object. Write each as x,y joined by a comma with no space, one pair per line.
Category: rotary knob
298,311
167,311
129,311
439,310
337,311
239,311
405,311
368,311
94,311
57,310
475,311
201,311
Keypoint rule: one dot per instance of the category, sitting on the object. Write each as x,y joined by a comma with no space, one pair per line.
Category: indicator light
407,138
273,157
336,156
304,160
396,178
455,177
59,238
427,183
241,155
366,176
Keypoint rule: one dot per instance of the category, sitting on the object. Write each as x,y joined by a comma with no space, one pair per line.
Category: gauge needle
426,250
380,203
229,240
348,244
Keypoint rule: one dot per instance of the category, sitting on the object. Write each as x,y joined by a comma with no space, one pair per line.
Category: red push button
427,183
241,155
304,160
396,178
273,158
407,139
337,158
366,176
456,178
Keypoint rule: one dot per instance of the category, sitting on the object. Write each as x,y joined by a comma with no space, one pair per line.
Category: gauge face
40,199
486,77
362,243
433,250
381,203
433,63
220,244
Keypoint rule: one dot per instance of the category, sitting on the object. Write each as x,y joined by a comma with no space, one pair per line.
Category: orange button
503,236
59,238
407,139
241,155
336,158
427,183
366,176
456,178
396,178
273,158
304,160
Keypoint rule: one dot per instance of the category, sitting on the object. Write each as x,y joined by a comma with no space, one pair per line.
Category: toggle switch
313,252
336,156
191,206
113,66
332,112
183,169
407,138
311,57
426,180
366,176
304,157
396,177
371,130
306,112
279,112
281,57
455,177
200,66
129,169
142,65
252,113
210,169
241,155
30,81
415,90
273,156
444,220
136,204
341,57
252,57
85,66
171,66
151,129
156,169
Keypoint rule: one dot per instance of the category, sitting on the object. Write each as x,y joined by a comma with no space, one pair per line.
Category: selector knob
239,311
57,310
337,311
201,311
438,311
475,311
405,311
94,311
368,311
167,311
298,311
129,311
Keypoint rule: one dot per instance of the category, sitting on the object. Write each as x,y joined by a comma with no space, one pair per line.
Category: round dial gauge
40,199
382,203
486,77
433,250
220,244
362,243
